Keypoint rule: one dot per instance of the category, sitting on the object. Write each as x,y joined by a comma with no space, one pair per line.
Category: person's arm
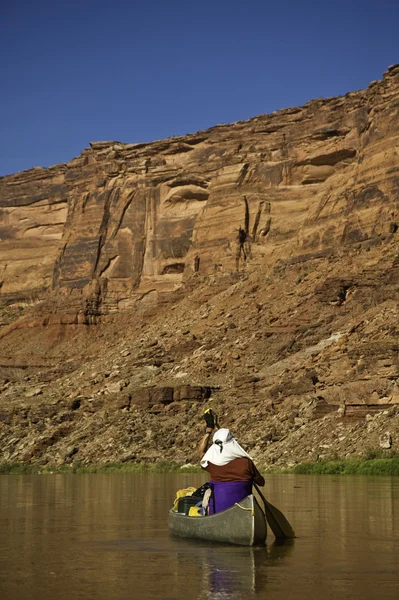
210,424
256,476
204,442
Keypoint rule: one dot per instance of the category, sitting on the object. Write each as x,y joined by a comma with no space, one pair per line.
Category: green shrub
372,466
161,466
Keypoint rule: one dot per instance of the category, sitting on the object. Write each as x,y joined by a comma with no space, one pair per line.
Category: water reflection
232,574
238,572
106,537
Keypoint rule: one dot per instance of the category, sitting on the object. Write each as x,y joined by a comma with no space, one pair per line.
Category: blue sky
74,71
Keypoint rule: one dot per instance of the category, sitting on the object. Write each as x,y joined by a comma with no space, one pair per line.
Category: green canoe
243,524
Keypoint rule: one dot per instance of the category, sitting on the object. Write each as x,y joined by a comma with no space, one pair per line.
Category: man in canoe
231,469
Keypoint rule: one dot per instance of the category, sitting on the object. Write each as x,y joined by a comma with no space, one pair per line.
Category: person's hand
209,418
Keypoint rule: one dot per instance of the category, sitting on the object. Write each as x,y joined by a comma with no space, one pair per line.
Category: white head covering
224,449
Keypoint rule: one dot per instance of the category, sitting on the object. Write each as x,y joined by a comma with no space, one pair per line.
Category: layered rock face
298,345
126,219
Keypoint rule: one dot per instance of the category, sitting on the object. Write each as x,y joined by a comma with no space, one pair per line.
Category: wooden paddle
276,520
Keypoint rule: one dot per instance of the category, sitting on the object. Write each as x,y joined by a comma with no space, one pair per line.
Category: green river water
105,537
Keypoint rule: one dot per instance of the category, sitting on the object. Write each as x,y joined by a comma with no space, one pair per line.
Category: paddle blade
276,520
278,523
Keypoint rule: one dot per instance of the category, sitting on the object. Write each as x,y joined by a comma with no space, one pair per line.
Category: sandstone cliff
122,310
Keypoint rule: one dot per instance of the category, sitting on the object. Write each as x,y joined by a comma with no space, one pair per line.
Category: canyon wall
126,302
124,221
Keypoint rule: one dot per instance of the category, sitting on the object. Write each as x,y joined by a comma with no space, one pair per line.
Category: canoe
243,524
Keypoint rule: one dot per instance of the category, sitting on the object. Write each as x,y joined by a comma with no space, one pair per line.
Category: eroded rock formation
141,239
123,219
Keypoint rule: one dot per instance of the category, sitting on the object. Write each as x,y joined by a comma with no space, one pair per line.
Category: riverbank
361,466
157,467
376,466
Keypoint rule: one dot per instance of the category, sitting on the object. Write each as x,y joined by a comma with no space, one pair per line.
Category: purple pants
226,493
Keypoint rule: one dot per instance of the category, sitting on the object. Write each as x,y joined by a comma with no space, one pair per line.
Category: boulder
385,440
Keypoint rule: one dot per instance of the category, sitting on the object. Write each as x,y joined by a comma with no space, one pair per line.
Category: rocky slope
123,313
